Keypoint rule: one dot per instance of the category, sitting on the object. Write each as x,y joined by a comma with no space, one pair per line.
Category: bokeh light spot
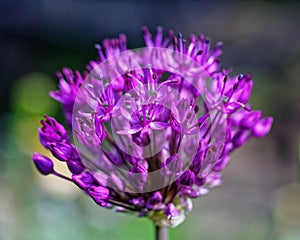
30,94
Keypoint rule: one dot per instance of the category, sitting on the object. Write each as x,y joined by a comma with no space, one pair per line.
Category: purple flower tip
187,178
43,164
263,127
155,201
83,180
240,138
75,166
171,211
62,151
98,193
138,202
172,165
51,132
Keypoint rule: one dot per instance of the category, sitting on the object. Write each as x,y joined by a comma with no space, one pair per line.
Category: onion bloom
152,128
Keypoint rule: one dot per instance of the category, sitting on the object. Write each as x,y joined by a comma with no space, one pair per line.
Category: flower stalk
162,233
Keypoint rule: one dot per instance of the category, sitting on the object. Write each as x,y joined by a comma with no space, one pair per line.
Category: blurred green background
260,198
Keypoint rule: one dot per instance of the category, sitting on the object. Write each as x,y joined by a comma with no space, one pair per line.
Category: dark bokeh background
260,198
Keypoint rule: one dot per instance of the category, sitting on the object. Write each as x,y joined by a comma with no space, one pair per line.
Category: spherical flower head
153,127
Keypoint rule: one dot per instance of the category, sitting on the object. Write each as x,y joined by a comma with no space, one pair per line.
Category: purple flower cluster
150,140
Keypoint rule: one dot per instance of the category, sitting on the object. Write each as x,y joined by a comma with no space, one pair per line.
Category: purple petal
240,138
129,131
51,132
262,128
98,193
84,180
43,164
75,166
61,151
158,125
155,201
171,211
187,178
251,119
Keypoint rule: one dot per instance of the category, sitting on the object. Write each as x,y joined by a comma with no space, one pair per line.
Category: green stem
162,233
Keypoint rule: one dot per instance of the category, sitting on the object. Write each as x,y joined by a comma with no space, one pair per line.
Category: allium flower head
152,127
